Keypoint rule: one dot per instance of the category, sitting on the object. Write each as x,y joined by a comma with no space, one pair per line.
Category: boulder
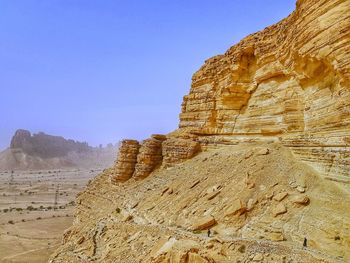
279,209
280,196
204,223
301,200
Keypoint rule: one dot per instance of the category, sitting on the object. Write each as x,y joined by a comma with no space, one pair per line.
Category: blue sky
102,70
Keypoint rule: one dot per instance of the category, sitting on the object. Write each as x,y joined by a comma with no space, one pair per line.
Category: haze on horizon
100,71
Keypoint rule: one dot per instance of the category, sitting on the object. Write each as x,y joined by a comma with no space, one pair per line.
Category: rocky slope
43,151
261,157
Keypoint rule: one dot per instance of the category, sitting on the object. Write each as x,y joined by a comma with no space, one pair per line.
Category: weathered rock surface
177,150
126,161
291,80
149,157
166,205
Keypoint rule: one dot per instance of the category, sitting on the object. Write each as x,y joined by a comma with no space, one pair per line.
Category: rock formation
290,81
43,151
46,146
177,150
138,161
261,158
149,157
126,161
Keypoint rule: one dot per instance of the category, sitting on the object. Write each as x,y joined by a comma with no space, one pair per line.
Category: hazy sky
102,70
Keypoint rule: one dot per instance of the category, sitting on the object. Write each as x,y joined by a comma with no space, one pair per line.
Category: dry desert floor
35,208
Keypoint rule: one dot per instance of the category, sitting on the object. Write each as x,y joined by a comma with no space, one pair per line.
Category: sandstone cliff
261,157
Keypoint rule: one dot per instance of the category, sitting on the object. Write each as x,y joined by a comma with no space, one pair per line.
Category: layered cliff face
261,157
290,81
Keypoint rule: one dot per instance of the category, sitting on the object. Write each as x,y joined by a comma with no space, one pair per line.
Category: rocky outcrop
149,157
177,150
291,80
139,161
125,164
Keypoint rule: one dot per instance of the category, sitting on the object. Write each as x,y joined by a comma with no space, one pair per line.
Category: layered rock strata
177,150
149,157
137,160
127,158
291,81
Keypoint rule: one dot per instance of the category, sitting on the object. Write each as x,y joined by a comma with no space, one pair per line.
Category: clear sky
102,70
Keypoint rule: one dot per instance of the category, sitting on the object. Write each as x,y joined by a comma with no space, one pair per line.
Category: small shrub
196,231
11,222
38,218
117,210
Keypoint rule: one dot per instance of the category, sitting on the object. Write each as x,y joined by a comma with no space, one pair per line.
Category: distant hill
42,151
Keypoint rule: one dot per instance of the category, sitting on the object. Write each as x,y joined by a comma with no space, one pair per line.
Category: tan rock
228,94
262,151
258,257
149,157
279,209
301,200
126,161
204,223
301,189
176,150
280,196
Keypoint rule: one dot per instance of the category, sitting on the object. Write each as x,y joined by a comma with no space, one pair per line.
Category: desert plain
35,209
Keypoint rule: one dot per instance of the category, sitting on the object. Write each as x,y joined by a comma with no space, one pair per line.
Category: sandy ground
35,208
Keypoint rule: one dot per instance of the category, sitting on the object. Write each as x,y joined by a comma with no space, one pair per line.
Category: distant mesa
43,151
46,146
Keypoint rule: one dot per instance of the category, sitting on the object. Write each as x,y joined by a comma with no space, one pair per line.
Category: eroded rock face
126,161
139,161
149,157
291,80
177,150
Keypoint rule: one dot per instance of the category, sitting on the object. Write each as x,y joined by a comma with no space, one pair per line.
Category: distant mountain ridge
44,151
